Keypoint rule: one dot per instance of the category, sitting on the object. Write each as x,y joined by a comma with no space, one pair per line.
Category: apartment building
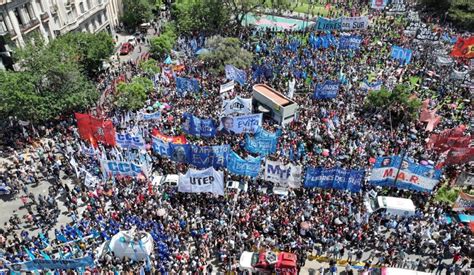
22,19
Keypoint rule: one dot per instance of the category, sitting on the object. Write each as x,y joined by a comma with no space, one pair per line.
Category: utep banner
239,124
202,181
350,42
411,176
235,74
326,90
243,167
354,23
335,178
263,143
198,127
184,85
288,175
130,141
237,106
401,54
122,168
41,264
379,4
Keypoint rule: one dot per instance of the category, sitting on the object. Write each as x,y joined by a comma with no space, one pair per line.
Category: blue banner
350,42
263,143
41,264
409,175
122,168
180,152
326,24
328,89
184,85
248,167
199,156
207,156
401,54
130,141
152,116
235,74
198,127
335,178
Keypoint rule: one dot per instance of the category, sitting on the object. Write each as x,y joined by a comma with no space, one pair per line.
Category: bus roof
270,93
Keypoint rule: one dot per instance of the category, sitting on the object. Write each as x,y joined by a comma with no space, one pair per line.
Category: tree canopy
398,105
136,12
132,96
224,51
53,77
163,44
460,12
210,16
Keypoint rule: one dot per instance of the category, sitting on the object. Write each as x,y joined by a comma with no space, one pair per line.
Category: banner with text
130,141
202,181
195,126
243,167
263,143
335,178
239,124
326,90
411,175
121,168
288,175
237,106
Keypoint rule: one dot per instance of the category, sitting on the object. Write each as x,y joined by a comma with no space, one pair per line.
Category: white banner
202,181
354,23
227,87
239,124
130,141
458,75
237,106
444,60
288,175
121,168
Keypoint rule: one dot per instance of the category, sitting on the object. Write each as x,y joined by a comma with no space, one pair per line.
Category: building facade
20,20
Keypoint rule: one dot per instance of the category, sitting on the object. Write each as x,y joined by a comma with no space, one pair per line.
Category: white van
391,205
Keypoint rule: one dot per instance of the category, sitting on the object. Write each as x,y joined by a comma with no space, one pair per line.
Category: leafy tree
90,50
397,106
132,96
163,44
224,51
460,12
209,16
240,8
136,12
149,66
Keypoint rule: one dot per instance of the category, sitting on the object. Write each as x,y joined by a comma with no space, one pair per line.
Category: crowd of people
205,233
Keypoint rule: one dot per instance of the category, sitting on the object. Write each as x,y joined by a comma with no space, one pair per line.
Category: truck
269,262
391,205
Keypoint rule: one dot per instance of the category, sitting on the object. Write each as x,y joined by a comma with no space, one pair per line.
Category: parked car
269,262
132,40
126,48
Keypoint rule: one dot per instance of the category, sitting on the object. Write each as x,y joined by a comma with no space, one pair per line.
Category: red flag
438,141
93,129
176,140
459,155
464,47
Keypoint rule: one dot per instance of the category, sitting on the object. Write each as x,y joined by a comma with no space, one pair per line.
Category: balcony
44,16
30,25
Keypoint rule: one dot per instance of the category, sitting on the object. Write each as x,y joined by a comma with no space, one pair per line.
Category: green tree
224,51
240,8
209,16
460,12
136,12
90,50
163,44
132,96
149,66
396,106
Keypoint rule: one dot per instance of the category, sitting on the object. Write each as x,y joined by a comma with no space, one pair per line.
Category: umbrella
202,51
161,212
372,160
423,162
326,152
157,105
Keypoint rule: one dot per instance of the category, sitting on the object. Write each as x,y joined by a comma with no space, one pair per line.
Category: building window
40,6
18,17
81,7
88,4
3,26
